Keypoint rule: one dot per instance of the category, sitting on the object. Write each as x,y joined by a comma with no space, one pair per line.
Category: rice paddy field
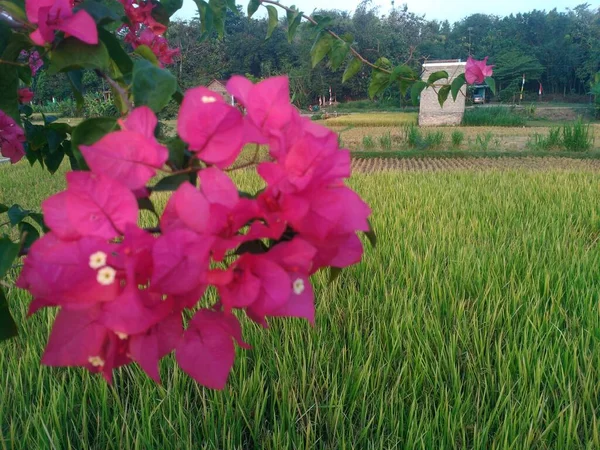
475,324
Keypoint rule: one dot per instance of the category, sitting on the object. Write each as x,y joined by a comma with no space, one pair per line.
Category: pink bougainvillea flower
295,257
140,13
25,95
256,279
12,138
159,46
147,349
271,117
477,71
92,205
181,259
34,59
211,127
51,15
207,351
131,155
74,274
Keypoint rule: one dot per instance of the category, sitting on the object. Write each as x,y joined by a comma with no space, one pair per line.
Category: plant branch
12,63
117,87
332,33
7,18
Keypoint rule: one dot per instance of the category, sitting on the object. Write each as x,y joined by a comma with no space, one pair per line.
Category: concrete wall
430,112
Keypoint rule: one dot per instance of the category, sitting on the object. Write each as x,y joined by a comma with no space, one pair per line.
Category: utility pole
470,29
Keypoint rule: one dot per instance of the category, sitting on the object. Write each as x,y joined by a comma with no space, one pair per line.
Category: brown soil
371,165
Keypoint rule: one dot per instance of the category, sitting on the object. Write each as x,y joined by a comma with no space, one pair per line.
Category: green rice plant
576,137
457,137
493,116
473,324
482,141
385,141
368,143
373,120
433,139
552,141
413,136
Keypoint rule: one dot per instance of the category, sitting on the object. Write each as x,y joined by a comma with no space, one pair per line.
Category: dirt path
442,164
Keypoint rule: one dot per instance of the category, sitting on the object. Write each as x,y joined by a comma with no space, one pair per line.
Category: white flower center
96,361
298,286
97,260
121,336
208,99
106,276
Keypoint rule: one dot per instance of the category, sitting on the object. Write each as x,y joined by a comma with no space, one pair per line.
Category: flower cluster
145,30
12,138
122,290
34,59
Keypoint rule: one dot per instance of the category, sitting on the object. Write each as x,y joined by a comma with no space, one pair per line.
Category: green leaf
8,328
436,76
145,52
152,86
170,183
218,9
87,133
14,10
171,6
71,54
104,12
9,84
9,251
76,80
253,6
457,84
339,53
273,20
443,94
176,152
146,204
371,236
293,20
320,48
491,83
3,208
116,52
29,234
39,219
352,69
16,214
415,91
379,82
53,160
5,35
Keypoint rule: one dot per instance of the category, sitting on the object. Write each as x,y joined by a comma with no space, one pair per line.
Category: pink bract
12,138
51,15
212,128
477,71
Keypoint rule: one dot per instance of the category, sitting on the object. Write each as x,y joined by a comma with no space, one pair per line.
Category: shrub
552,141
457,138
385,141
433,139
412,135
576,137
482,142
368,143
494,116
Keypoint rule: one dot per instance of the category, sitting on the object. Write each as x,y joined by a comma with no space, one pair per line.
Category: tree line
559,49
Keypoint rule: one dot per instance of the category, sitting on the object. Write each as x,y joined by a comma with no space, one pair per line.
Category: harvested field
370,165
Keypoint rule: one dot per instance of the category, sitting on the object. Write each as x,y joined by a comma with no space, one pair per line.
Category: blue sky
453,10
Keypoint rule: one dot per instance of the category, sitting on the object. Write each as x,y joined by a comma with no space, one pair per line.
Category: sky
452,10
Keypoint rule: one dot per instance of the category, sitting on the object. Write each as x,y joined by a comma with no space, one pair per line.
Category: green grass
475,323
493,116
